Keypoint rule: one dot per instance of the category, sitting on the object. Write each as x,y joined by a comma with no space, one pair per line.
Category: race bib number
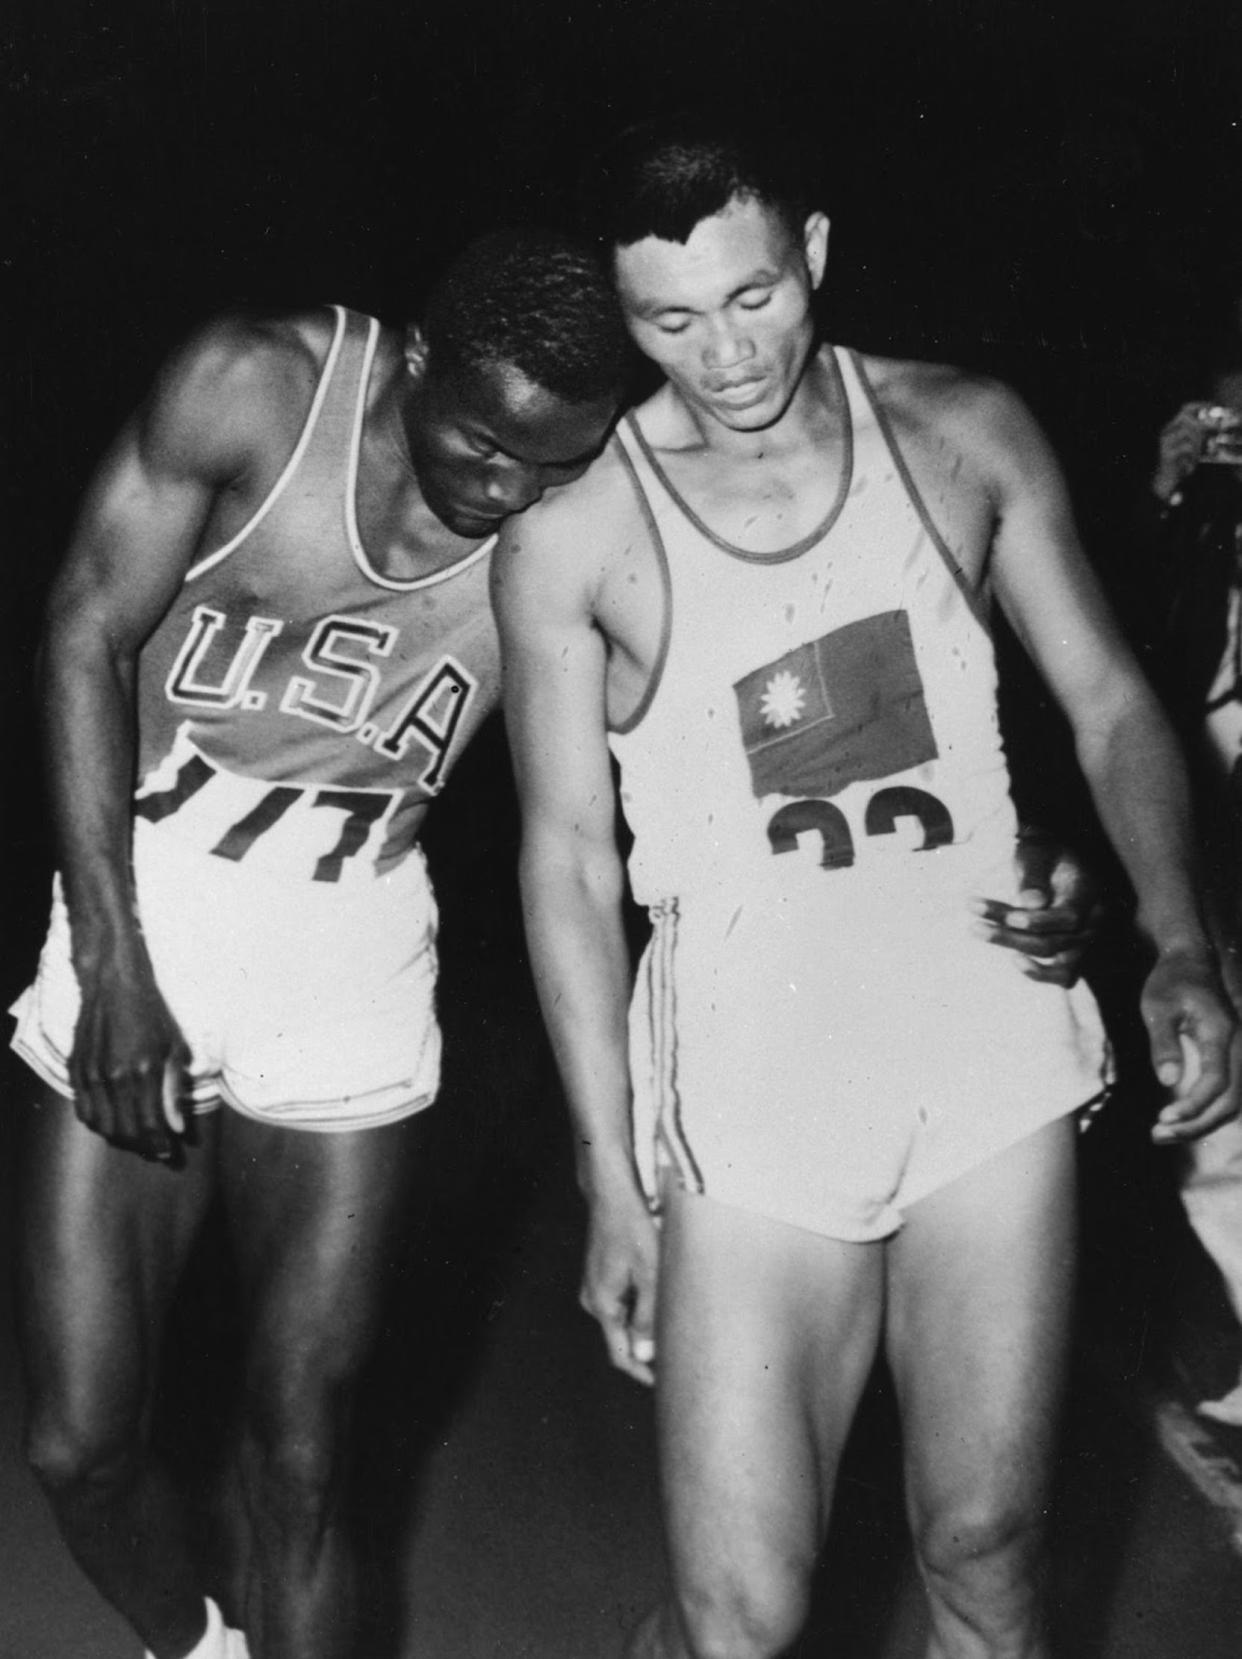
302,830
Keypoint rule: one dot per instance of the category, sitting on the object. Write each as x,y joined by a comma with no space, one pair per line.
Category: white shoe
217,1641
1228,1409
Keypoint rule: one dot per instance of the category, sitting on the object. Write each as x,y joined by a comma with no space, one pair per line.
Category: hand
619,1281
1180,451
1057,914
1192,1028
130,1065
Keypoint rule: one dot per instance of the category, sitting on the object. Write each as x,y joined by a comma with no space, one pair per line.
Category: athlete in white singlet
769,597
274,617
815,780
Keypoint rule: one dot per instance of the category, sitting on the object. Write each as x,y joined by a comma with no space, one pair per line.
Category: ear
415,352
815,246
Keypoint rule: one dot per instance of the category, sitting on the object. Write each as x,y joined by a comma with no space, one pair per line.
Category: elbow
558,873
81,641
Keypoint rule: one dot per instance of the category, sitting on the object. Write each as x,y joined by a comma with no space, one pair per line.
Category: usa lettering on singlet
297,708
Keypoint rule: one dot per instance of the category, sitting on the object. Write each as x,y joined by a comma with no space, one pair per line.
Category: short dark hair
537,300
662,177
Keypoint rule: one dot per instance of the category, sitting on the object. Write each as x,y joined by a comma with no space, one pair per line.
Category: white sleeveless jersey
821,715
817,789
296,708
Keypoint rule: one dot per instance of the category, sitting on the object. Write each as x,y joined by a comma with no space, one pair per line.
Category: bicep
133,541
554,677
145,510
1050,594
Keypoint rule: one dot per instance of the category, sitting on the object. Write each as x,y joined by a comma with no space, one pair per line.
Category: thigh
104,1235
766,1336
980,1282
314,1219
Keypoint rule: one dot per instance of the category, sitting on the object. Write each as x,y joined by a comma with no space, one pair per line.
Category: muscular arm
1127,752
572,882
140,523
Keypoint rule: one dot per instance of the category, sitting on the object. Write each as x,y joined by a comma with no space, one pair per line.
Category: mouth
739,394
468,521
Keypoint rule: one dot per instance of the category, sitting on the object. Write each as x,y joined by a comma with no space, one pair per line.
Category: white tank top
822,718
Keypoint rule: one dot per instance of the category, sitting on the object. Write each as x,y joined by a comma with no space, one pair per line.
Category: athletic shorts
302,1005
828,1065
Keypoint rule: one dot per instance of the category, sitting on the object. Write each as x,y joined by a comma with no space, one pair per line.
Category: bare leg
314,1218
980,1285
766,1337
104,1237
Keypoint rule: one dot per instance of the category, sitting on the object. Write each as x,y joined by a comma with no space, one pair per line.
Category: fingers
642,1333
1055,916
630,1343
1051,941
171,1088
140,1108
1202,1097
1035,857
1180,449
92,1101
1192,1057
619,1291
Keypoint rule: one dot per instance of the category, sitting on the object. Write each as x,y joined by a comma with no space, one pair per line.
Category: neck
389,401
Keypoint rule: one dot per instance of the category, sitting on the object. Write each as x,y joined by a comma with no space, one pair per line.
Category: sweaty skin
187,473
118,1185
762,1333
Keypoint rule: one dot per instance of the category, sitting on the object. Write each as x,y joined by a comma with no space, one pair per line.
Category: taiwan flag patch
843,709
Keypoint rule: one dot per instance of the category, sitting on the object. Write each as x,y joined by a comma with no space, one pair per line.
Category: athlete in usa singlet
817,788
299,712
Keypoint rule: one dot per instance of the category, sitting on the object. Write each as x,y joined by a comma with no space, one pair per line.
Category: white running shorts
302,1005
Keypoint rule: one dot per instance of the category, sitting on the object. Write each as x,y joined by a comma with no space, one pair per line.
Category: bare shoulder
564,551
233,391
976,419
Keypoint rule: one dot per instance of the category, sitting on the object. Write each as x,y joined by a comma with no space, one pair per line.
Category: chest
760,503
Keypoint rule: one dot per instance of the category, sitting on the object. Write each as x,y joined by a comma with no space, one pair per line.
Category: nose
727,344
513,487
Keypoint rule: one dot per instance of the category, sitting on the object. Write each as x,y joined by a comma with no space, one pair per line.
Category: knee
292,1468
74,1456
982,1564
740,1619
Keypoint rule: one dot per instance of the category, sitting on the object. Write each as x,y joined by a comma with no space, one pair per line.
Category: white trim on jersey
398,585
291,465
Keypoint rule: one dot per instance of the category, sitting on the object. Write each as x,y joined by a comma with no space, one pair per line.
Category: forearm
1138,780
90,747
572,905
